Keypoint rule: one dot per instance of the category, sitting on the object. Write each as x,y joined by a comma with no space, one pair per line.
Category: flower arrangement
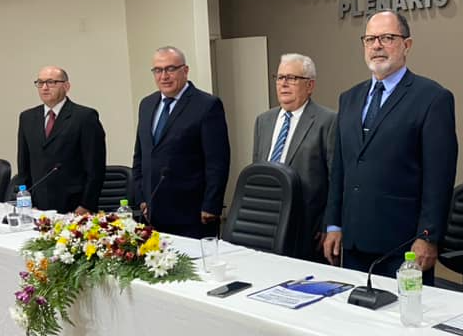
81,251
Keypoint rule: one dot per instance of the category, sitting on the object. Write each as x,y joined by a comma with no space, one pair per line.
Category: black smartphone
229,289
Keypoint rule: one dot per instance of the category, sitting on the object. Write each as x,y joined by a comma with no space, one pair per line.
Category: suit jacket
76,143
399,180
309,154
194,155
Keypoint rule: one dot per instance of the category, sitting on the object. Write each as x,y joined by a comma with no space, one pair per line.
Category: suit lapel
60,122
395,97
267,133
303,126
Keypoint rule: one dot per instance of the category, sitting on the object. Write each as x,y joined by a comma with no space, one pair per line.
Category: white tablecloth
184,308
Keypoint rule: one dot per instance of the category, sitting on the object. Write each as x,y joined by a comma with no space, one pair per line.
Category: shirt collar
56,109
296,113
391,81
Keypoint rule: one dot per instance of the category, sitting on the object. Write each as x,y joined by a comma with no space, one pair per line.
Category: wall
313,28
89,40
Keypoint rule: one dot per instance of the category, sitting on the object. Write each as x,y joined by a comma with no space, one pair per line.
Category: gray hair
177,51
308,66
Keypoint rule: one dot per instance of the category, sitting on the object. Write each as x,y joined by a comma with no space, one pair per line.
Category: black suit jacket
399,180
77,143
195,151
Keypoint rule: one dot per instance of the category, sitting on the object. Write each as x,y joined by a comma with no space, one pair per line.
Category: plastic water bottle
410,282
24,205
124,211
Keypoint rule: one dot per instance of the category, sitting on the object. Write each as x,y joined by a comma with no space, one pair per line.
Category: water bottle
410,283
124,211
24,205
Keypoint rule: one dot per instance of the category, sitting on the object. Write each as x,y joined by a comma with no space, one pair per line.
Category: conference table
181,308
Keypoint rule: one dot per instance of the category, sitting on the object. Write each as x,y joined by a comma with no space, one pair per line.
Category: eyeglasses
50,83
169,69
290,79
384,39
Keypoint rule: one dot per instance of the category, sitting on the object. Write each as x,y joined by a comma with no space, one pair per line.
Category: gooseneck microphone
45,177
373,298
164,173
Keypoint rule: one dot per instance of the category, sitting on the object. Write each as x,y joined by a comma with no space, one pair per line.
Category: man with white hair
300,133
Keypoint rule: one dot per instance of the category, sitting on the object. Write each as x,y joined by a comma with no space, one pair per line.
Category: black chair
266,208
451,254
5,175
118,184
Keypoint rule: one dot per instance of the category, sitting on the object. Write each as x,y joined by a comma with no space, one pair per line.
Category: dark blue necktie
162,119
281,140
374,107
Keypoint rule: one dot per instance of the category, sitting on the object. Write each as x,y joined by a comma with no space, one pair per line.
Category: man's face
52,94
291,96
384,60
170,74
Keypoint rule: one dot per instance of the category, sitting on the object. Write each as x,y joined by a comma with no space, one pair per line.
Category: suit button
356,188
360,161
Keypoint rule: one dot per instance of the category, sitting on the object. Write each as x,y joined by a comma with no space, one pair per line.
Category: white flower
130,225
66,258
160,263
19,316
38,257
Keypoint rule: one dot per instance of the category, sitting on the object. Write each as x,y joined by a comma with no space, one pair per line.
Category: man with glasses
300,133
65,140
395,158
182,154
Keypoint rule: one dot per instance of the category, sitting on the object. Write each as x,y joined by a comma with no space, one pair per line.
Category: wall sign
366,7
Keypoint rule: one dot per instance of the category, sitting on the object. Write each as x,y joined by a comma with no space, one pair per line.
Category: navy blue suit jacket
195,152
399,180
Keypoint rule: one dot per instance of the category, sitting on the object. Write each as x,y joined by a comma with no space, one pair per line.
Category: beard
381,69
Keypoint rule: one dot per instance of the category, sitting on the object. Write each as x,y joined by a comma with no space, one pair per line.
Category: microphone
31,189
374,298
45,177
164,173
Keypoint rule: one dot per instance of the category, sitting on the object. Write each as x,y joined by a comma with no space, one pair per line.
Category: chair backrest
453,239
265,209
118,184
5,175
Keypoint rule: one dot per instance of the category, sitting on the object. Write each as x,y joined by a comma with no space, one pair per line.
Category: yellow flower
93,233
73,227
90,250
151,244
58,227
118,223
62,240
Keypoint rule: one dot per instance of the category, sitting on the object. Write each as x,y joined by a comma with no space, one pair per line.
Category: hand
426,253
80,210
332,247
319,239
144,209
207,217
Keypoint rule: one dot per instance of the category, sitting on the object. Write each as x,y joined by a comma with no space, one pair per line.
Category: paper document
454,325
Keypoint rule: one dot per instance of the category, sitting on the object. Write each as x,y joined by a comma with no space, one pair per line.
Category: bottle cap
410,256
124,202
22,187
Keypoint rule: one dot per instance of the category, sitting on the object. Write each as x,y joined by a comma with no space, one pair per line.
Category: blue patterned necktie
162,119
281,140
374,107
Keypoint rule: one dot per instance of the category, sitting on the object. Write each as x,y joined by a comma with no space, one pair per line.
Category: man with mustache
395,158
182,155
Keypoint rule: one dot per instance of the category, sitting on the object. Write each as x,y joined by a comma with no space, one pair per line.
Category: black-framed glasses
169,69
384,39
50,82
290,79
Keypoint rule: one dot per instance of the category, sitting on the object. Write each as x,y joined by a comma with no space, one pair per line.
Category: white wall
92,40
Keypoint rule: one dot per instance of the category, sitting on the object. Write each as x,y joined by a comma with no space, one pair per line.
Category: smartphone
229,289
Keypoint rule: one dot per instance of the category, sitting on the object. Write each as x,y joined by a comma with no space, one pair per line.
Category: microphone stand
164,173
374,298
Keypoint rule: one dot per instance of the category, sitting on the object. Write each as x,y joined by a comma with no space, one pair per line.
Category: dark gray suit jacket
310,154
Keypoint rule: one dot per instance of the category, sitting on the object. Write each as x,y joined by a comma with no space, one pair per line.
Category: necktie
281,140
162,119
374,107
50,123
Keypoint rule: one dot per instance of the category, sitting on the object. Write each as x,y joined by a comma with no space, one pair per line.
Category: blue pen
300,281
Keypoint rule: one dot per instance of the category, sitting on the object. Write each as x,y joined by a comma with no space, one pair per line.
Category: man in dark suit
182,155
307,147
395,158
61,134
